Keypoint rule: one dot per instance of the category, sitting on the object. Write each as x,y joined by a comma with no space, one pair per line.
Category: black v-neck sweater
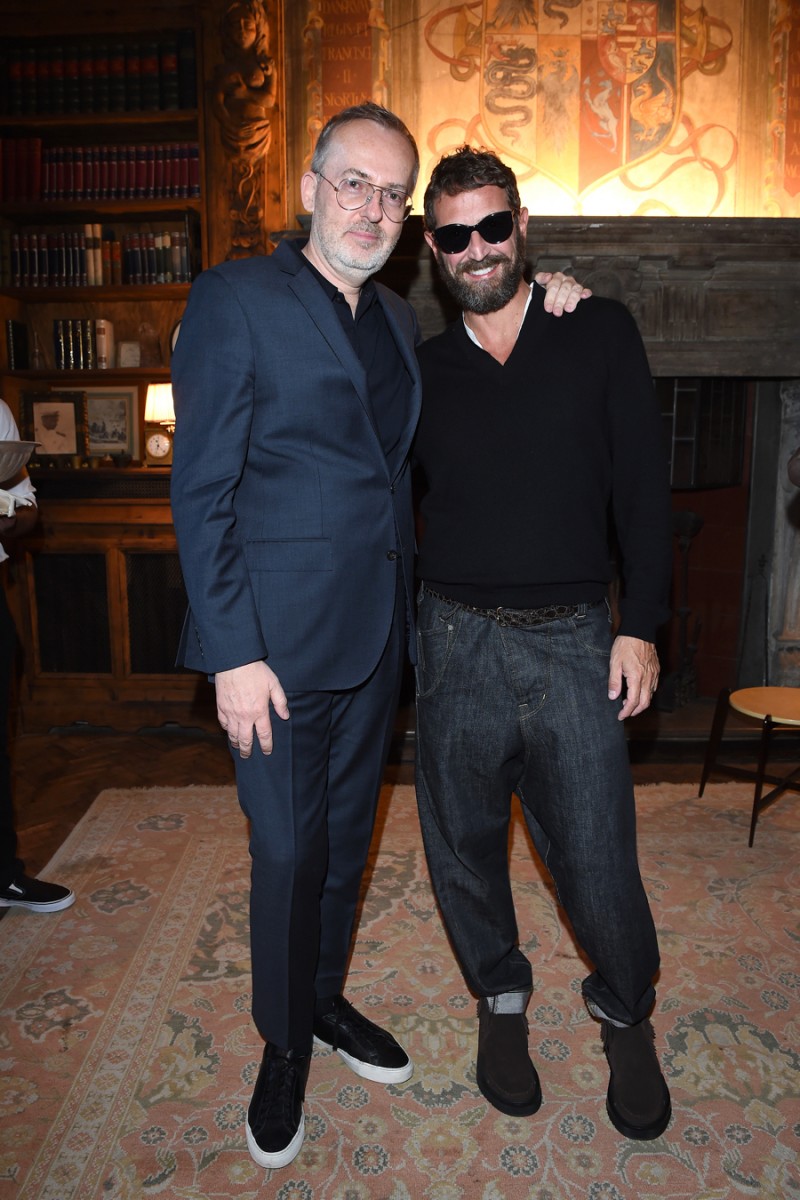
528,463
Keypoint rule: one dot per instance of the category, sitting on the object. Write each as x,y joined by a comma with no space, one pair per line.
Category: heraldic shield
579,90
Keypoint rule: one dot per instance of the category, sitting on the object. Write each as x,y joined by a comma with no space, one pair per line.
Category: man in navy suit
297,394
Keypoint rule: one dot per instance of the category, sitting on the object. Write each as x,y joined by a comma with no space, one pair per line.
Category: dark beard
477,298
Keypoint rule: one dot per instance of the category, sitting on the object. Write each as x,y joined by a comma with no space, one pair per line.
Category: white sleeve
22,485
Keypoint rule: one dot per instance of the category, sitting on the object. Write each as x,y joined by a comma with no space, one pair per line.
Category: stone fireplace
714,299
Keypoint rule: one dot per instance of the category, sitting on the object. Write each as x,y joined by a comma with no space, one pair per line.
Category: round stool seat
782,704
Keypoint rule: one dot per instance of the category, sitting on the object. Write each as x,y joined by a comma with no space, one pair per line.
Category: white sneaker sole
368,1071
278,1158
32,906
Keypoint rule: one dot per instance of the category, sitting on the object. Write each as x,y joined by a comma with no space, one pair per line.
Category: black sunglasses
495,228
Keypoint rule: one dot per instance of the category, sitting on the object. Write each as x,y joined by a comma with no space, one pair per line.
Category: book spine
88,236
187,70
72,85
15,72
83,257
29,87
78,174
34,259
105,256
151,87
59,356
133,77
102,88
194,170
151,272
116,261
97,251
86,78
17,345
175,251
168,274
141,172
159,172
183,165
90,350
69,344
16,260
44,97
116,77
104,343
168,73
58,97
25,257
114,192
78,342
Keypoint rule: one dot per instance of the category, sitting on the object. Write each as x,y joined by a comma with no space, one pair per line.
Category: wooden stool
776,708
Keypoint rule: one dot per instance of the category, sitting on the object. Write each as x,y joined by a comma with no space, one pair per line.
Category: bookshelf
102,213
103,218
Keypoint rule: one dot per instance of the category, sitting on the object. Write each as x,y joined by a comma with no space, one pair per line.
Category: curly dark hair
368,111
466,170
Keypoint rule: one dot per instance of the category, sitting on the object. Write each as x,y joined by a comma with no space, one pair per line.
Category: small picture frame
57,421
112,423
129,354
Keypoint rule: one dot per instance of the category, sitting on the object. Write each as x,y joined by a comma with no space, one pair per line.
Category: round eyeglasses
494,228
352,193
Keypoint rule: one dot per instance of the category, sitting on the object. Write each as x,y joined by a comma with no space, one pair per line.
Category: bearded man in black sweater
536,436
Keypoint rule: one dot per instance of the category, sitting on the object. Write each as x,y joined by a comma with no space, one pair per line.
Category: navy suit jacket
288,516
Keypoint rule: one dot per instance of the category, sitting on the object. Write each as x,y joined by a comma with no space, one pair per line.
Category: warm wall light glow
159,408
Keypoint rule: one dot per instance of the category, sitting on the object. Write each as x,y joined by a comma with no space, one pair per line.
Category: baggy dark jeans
526,710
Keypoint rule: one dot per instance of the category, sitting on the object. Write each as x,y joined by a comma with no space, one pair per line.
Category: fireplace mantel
711,296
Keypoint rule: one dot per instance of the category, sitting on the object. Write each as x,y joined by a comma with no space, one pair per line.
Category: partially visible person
535,435
17,890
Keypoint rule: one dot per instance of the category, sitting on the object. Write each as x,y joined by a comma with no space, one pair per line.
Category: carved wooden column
243,127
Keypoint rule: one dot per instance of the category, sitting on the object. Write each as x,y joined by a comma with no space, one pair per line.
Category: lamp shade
159,408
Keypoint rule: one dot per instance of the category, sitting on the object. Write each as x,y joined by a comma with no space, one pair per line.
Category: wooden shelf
143,117
134,292
109,375
168,207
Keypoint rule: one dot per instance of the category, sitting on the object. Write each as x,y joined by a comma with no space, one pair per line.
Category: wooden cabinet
98,599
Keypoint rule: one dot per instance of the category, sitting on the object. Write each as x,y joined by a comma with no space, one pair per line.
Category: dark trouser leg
577,796
10,865
311,806
468,756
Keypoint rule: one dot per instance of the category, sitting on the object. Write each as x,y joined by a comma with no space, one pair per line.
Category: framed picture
112,420
57,421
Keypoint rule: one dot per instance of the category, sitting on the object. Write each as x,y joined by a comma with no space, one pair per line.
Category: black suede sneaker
36,895
366,1048
275,1121
638,1101
505,1074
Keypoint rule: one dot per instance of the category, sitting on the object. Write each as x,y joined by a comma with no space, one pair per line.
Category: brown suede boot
505,1074
638,1102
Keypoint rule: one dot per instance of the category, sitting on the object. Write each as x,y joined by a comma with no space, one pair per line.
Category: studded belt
514,618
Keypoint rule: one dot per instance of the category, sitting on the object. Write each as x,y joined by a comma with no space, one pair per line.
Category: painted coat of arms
578,90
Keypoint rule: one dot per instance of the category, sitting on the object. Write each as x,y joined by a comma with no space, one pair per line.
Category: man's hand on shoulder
244,695
562,292
635,662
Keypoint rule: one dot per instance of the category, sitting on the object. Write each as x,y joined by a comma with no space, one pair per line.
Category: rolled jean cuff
597,1012
508,1002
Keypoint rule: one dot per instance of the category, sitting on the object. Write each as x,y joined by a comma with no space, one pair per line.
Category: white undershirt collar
471,333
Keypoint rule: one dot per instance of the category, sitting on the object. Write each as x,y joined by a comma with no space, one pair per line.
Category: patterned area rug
127,1055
